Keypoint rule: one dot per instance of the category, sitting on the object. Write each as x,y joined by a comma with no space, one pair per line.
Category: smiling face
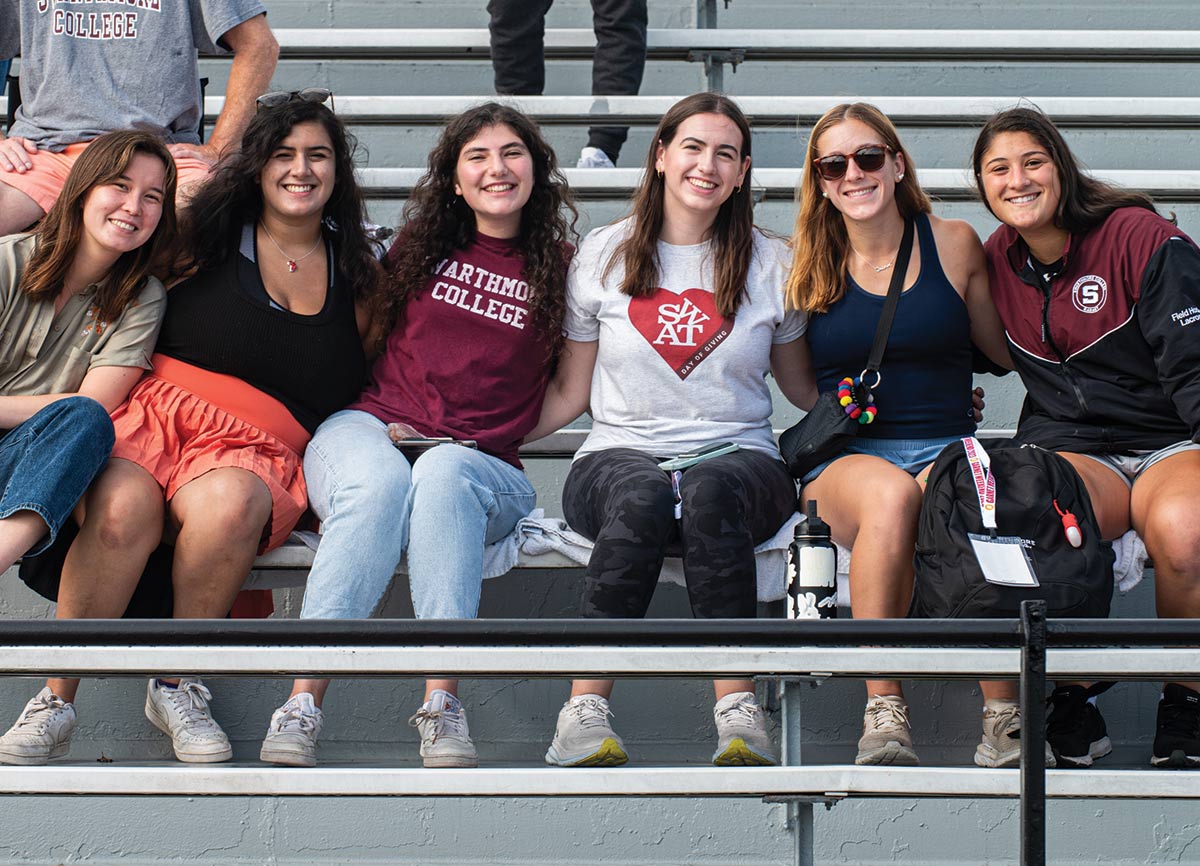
300,174
121,215
1021,183
701,166
858,195
494,176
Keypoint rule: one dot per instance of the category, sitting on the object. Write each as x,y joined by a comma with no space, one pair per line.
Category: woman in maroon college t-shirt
479,283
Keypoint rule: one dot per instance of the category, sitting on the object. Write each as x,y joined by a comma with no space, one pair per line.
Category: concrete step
833,783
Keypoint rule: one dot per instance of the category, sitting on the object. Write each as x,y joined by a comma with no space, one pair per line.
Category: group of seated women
284,366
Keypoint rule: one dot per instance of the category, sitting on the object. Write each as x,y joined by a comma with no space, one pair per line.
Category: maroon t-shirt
465,360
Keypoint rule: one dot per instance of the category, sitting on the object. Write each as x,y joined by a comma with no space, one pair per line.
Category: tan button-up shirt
44,353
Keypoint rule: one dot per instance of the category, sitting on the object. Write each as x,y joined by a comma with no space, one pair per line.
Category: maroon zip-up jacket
1106,341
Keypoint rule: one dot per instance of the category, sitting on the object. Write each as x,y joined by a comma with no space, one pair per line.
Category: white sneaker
292,735
583,737
445,738
1001,743
593,157
182,714
43,731
742,738
886,737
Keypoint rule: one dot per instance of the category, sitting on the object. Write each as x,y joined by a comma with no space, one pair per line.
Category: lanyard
985,482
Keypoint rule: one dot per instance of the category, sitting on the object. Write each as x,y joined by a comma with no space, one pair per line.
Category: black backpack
1032,489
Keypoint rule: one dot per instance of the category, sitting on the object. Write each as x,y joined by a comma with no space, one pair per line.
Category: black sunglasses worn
276,98
868,158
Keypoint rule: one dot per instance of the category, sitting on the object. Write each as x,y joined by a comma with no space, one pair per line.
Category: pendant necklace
879,269
294,264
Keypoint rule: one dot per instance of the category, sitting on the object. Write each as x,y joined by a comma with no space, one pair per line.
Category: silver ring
862,377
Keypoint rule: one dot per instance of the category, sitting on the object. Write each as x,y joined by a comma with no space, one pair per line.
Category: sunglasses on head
276,98
870,157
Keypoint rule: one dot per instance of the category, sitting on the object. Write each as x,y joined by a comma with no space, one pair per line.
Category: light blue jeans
373,505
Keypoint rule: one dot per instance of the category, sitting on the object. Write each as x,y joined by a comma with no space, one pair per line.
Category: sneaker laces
448,721
39,712
292,718
884,715
590,712
1006,718
742,713
190,699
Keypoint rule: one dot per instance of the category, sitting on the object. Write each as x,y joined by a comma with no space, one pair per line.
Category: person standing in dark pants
517,30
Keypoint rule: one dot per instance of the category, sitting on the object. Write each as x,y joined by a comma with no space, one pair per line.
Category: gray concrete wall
662,721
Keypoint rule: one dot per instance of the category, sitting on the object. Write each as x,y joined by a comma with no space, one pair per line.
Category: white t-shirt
671,374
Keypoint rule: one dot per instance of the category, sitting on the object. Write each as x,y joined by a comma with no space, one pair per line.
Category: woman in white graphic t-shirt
675,315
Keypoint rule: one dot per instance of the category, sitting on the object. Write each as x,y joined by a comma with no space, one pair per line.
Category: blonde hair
819,243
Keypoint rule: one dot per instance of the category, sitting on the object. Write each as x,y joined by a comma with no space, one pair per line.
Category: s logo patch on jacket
1089,294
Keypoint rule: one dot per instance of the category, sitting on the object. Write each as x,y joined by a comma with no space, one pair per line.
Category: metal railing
1030,649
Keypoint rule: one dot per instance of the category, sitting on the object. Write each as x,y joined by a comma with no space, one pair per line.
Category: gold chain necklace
294,264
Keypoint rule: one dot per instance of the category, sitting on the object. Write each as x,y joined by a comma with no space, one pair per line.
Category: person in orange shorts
128,66
261,341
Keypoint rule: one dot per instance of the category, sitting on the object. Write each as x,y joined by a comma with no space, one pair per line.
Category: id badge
1004,560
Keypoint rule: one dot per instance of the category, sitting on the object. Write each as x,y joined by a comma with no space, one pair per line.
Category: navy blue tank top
925,390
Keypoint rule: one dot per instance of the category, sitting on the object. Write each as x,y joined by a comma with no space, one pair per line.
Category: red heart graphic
683,328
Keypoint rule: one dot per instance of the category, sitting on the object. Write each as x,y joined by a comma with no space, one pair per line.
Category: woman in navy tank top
855,198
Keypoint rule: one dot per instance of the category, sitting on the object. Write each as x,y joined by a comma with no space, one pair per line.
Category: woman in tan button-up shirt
79,314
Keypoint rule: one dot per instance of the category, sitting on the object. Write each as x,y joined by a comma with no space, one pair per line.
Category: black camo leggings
621,500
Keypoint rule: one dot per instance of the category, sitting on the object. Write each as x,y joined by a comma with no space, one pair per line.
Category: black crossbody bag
828,427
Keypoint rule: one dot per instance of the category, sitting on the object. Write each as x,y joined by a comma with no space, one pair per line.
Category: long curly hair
732,230
58,235
1085,202
437,221
820,246
233,197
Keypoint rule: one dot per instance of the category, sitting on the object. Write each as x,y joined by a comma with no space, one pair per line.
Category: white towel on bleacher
1130,562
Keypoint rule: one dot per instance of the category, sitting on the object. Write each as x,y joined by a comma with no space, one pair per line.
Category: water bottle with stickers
812,570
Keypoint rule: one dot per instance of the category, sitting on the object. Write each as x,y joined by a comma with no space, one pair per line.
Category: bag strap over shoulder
895,288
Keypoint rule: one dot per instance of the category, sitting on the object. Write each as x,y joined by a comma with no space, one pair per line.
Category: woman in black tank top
859,190
262,341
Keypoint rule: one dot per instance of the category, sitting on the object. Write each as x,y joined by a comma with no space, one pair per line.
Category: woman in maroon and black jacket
1100,299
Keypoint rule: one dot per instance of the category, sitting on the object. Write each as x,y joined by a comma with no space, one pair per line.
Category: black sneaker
1177,740
1075,729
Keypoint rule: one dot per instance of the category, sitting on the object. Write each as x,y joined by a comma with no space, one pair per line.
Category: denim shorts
47,462
911,455
1131,466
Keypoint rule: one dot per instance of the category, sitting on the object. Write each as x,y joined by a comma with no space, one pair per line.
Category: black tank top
221,321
